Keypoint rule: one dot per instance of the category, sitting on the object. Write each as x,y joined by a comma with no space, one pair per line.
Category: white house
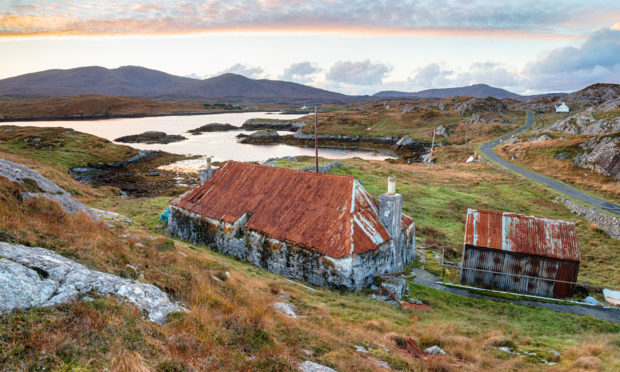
561,107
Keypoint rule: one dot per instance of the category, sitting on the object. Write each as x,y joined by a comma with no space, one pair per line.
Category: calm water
220,145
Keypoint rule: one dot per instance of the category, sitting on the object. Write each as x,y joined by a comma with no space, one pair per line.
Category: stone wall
290,260
610,224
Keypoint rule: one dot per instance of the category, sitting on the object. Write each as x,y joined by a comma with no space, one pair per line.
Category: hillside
477,91
231,323
133,81
93,106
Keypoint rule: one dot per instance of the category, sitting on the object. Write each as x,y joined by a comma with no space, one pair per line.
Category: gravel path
487,150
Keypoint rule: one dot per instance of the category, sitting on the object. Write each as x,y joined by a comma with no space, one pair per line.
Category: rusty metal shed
519,253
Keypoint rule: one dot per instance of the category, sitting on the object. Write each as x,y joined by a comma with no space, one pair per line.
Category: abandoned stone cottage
321,228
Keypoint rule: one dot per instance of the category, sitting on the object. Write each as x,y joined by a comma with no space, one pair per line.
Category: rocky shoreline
405,147
259,124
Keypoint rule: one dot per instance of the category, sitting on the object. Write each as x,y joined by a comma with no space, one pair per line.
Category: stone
561,156
444,131
309,366
434,350
361,349
470,159
602,155
512,140
111,217
380,363
286,309
19,173
542,138
506,349
405,141
32,276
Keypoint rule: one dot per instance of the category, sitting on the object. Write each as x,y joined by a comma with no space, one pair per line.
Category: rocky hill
594,94
134,81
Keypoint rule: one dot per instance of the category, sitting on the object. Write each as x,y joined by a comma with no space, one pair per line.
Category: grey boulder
31,276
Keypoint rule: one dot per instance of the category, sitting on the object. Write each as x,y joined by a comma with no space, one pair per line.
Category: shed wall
506,263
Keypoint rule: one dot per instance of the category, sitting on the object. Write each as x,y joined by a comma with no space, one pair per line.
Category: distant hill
133,81
478,91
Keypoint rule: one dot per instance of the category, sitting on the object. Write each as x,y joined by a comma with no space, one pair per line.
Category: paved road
487,150
425,278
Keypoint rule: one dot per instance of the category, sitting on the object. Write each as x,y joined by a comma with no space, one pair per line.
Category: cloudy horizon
352,47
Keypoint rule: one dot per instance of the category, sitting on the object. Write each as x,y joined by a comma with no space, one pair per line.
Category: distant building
561,107
518,253
321,228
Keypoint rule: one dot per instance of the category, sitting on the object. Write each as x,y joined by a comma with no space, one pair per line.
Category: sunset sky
354,46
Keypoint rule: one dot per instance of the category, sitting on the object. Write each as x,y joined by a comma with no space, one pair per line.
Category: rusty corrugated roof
522,234
331,214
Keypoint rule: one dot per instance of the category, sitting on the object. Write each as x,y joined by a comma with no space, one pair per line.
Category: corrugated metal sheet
517,272
331,214
517,233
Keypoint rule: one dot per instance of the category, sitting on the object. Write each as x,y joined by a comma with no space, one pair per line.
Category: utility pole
316,139
466,131
430,156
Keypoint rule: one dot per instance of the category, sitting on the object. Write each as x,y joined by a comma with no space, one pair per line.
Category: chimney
390,212
207,173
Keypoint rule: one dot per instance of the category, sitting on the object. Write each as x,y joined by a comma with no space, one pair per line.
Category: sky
348,46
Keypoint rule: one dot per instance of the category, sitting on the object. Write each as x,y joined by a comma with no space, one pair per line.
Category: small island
151,137
213,127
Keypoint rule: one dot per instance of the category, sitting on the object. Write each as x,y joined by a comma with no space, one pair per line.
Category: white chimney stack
391,185
207,173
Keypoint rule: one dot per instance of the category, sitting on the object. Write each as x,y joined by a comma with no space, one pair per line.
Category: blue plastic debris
591,300
164,216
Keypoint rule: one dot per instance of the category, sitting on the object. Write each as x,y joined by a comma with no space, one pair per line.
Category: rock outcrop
151,137
487,105
594,120
213,127
31,276
602,155
594,94
257,124
37,185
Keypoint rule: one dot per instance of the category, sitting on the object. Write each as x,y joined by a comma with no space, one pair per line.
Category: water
221,145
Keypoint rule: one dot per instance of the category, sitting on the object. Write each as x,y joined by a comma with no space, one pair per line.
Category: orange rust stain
313,210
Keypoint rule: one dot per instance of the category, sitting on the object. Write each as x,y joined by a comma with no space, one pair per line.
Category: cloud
241,69
88,17
299,72
357,73
596,60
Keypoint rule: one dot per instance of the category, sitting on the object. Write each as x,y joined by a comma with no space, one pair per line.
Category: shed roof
522,234
329,213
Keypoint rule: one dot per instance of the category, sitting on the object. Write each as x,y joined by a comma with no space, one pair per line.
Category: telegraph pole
316,139
430,156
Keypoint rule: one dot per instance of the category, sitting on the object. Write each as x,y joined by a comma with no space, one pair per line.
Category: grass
397,118
231,323
60,147
540,157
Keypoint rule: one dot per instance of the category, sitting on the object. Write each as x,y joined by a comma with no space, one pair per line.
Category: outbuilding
321,228
519,253
561,107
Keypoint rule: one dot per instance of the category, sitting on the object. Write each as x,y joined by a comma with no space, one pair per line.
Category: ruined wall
290,260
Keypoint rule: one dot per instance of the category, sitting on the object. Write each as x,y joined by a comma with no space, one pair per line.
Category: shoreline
122,116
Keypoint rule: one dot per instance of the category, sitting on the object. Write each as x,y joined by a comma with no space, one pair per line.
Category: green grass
60,147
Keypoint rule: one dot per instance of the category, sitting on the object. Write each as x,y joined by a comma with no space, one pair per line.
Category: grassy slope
416,119
231,325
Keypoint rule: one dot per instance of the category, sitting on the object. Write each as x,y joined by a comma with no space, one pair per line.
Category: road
487,150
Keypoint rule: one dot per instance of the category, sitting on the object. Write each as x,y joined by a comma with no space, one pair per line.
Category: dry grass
539,156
